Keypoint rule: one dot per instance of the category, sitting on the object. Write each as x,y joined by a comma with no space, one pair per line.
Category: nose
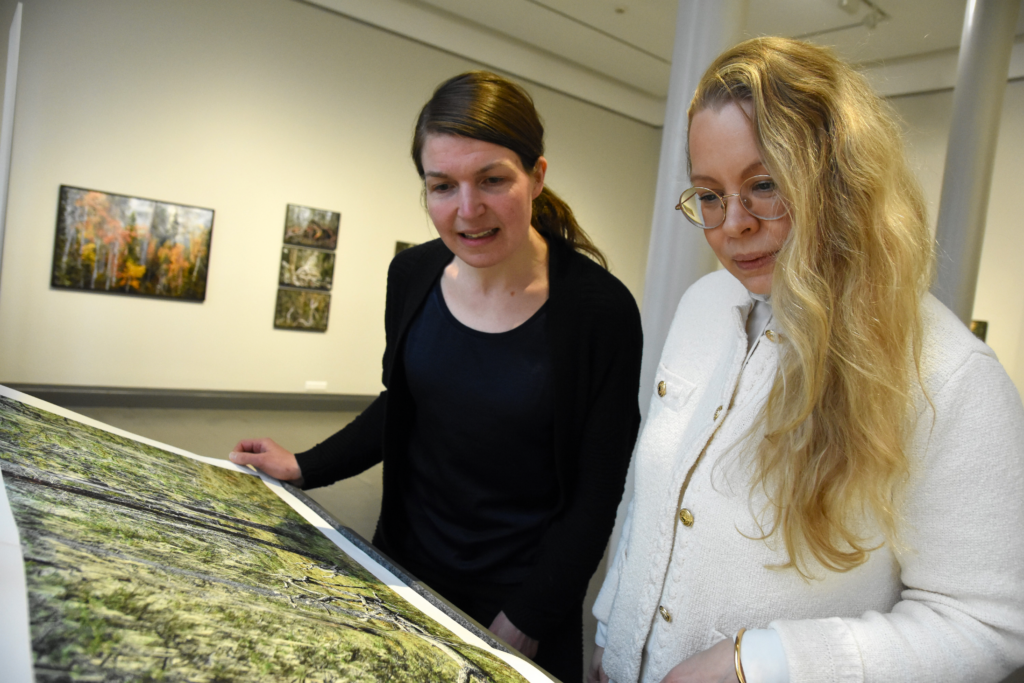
470,205
738,221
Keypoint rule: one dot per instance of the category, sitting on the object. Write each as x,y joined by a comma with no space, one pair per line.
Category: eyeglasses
758,195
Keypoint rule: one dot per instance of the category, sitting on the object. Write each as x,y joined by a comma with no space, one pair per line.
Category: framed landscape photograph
301,309
310,268
118,244
308,227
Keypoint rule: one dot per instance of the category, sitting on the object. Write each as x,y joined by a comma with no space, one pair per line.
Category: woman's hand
507,631
717,664
269,458
596,674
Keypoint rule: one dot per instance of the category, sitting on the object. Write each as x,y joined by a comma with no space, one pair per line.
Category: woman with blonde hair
829,481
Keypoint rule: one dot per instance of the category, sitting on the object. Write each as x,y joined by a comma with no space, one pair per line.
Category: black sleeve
574,544
357,447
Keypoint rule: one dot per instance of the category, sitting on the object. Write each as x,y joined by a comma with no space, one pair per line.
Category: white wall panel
244,106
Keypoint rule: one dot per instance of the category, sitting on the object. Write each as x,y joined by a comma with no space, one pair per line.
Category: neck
503,296
520,272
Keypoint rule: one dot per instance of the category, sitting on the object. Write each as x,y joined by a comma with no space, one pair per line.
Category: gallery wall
245,106
998,300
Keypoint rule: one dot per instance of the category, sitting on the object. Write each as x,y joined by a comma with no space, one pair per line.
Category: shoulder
706,323
707,303
426,253
715,290
966,392
422,261
578,281
948,347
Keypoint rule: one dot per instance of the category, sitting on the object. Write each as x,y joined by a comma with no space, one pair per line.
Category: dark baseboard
69,396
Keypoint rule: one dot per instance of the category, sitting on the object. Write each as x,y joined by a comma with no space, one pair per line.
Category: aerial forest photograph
308,227
118,244
146,565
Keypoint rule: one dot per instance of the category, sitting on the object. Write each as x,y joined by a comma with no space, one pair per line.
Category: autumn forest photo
113,243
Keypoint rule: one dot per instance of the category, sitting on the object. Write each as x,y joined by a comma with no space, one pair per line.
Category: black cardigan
596,343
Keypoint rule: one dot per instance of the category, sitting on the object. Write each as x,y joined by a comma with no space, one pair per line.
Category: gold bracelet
739,664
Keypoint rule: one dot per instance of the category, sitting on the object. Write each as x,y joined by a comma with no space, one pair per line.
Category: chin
479,259
759,284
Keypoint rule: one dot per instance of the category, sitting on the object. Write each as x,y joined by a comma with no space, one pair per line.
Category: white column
678,255
7,120
977,105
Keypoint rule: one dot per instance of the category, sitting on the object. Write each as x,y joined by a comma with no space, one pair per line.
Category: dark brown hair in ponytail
484,106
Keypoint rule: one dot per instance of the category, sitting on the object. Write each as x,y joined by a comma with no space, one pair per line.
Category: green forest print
144,565
300,309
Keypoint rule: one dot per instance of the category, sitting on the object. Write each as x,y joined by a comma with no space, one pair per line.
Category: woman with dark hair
511,371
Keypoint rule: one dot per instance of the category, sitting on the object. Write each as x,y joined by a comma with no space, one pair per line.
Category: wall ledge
72,396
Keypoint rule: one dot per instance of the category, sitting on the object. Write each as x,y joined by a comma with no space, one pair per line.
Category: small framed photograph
306,227
302,309
309,268
118,244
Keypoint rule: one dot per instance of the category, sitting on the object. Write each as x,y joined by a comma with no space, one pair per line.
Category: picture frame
306,268
121,244
301,309
308,227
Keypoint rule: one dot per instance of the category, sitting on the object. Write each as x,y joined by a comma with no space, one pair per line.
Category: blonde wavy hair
846,290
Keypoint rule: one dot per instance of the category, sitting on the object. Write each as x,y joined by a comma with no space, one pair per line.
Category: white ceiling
617,53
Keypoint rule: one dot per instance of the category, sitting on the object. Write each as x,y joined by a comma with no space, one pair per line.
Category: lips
754,261
479,235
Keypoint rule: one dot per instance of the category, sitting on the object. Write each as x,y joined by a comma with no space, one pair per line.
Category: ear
540,169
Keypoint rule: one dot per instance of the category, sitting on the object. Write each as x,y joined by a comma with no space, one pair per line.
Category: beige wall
244,106
1000,293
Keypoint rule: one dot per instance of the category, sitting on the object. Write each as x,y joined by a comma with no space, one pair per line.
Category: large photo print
145,564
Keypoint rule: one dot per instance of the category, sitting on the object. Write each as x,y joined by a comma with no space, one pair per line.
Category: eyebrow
744,172
481,171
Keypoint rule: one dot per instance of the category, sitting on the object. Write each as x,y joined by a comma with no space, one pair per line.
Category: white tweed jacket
947,606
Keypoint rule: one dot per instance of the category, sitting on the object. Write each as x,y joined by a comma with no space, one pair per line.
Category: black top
483,435
593,329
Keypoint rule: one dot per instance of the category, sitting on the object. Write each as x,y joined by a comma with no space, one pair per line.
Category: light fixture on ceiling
872,18
875,14
849,6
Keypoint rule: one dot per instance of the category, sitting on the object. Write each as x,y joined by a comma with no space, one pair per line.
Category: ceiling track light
874,16
875,13
849,6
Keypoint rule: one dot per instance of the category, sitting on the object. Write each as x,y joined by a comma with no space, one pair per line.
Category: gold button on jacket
686,517
661,388
772,336
665,613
